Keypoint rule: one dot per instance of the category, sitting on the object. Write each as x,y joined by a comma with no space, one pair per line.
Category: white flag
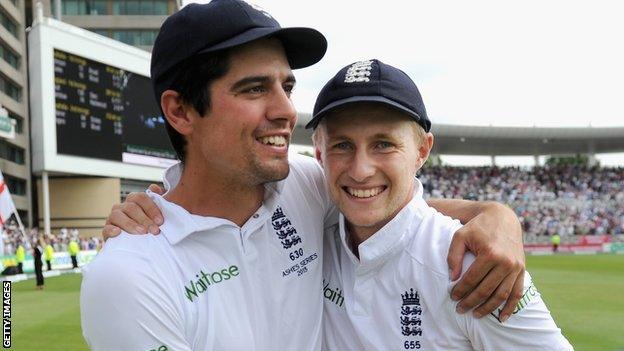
7,207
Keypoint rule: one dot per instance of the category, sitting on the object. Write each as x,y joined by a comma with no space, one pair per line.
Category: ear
176,112
424,150
318,154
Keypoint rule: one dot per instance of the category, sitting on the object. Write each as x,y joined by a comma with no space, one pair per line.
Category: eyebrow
259,79
338,139
290,79
333,137
383,136
374,137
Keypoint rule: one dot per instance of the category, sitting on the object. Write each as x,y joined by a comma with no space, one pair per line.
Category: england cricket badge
411,313
285,231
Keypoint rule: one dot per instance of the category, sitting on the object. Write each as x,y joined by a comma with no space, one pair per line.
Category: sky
523,63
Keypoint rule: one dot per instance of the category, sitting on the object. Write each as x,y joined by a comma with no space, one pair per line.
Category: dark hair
192,80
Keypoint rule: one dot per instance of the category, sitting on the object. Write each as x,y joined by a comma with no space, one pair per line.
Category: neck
358,235
206,192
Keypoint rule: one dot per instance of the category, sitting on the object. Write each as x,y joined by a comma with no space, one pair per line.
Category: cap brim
354,99
304,46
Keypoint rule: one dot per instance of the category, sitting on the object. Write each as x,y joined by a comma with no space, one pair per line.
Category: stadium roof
512,141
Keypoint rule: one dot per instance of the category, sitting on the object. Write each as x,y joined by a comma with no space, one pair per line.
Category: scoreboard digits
104,112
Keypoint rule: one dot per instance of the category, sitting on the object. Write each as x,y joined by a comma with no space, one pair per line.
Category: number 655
410,345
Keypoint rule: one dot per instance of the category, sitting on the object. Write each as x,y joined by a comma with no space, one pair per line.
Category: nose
362,166
281,107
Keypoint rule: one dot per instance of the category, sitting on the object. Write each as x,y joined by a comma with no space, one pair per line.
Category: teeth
365,193
276,140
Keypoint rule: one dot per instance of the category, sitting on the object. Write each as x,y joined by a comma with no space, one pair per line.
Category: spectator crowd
564,200
13,237
567,200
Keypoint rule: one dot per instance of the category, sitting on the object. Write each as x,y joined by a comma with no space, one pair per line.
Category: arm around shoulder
493,233
123,306
530,327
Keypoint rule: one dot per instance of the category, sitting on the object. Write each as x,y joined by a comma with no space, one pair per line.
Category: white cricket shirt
396,295
206,284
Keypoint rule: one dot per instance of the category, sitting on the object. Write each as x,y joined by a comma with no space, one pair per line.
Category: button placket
253,225
363,293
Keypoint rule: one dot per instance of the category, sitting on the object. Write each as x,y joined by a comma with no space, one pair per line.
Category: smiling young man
385,274
238,264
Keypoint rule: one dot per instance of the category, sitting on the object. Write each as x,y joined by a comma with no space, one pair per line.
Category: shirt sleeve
124,306
530,327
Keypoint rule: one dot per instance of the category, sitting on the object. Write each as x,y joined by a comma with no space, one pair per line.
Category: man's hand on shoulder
137,215
496,276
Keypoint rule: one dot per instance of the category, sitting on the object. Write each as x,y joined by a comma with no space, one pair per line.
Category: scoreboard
92,106
108,113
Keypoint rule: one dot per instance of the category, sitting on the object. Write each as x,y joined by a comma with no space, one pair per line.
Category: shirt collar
172,176
390,239
272,193
179,223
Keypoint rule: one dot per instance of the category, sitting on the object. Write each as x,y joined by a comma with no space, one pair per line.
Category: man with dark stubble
238,264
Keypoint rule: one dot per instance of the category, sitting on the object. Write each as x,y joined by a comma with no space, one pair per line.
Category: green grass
48,319
584,294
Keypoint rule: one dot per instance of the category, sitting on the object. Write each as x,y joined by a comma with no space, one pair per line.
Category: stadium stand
572,201
568,200
12,236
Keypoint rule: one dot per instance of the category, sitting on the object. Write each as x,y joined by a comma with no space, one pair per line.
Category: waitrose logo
204,280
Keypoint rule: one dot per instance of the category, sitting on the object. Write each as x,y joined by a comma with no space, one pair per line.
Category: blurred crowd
13,237
566,200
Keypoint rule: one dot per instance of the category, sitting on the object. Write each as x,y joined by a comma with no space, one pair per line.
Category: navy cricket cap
371,81
221,24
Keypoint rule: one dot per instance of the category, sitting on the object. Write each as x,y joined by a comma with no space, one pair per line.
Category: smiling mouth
274,140
364,193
